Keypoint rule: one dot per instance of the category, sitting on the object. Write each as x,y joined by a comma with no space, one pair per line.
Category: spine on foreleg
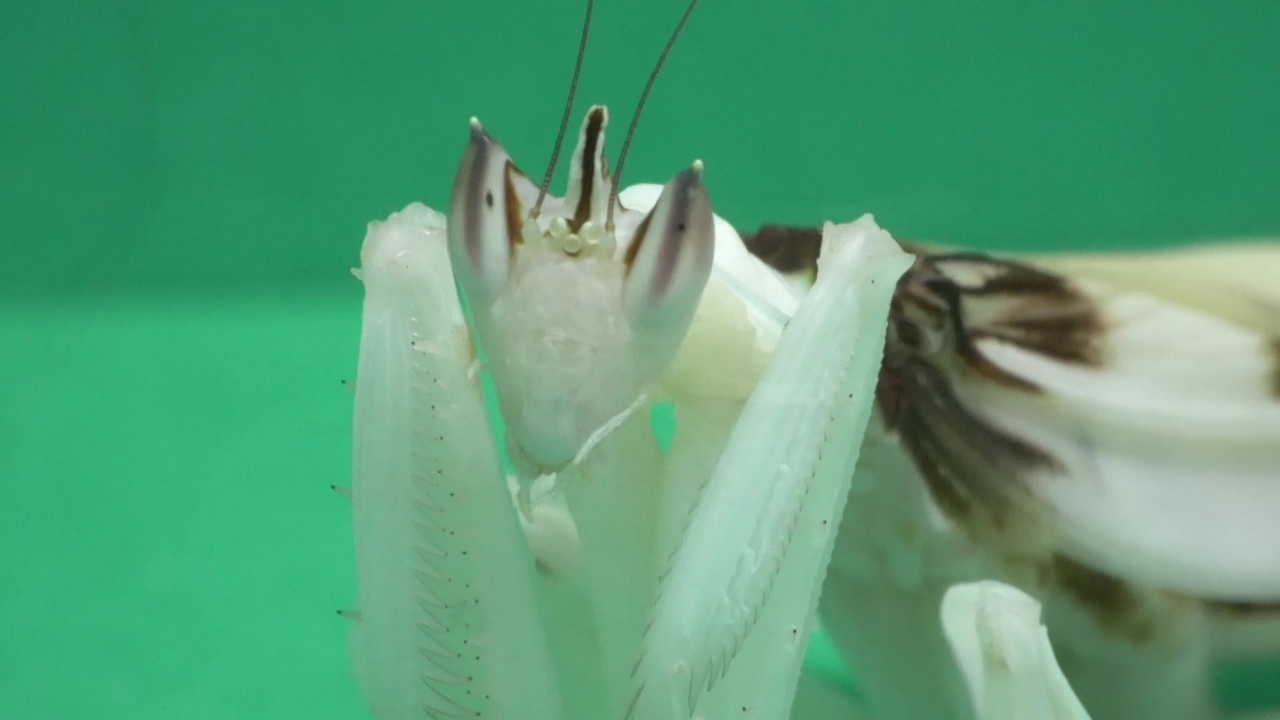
448,624
720,583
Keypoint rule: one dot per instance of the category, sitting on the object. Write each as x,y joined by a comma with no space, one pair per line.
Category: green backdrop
186,183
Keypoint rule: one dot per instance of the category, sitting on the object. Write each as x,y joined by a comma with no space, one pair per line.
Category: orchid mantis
650,587
525,549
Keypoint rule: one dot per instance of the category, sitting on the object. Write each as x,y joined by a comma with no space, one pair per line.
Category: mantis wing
1168,438
1147,384
1102,439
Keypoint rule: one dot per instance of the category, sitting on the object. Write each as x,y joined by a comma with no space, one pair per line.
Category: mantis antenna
564,119
635,117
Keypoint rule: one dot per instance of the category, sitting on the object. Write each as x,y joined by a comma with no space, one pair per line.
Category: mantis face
577,315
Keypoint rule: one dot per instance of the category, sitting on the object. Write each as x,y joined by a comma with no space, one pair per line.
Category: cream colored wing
1237,281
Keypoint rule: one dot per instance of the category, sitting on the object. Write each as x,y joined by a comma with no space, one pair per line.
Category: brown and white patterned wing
1108,439
1133,411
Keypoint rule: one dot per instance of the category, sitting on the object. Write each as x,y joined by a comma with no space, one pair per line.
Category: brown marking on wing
1275,367
978,473
1048,314
1014,303
794,249
889,396
1075,339
1039,311
935,303
1116,605
582,213
787,249
1243,609
1072,331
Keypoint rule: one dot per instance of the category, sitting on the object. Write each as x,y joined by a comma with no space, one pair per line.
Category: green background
184,185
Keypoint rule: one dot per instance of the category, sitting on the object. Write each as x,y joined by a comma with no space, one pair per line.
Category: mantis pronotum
999,415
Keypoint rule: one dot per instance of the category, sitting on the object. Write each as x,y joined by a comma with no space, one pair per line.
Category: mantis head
577,303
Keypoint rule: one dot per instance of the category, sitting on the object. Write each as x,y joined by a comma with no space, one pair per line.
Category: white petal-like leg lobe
738,599
447,624
1004,651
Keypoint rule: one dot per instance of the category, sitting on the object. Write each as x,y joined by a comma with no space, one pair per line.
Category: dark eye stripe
672,239
474,205
642,230
515,213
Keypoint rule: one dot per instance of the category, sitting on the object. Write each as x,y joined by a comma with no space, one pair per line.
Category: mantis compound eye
669,258
485,218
